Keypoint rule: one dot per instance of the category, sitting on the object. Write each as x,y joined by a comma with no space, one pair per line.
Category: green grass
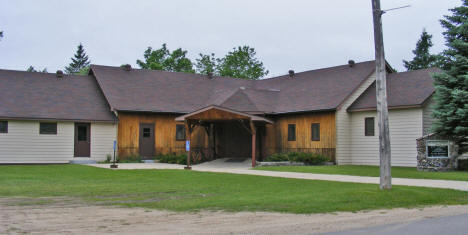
397,172
180,190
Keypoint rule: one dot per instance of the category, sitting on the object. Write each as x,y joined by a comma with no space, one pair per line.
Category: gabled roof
214,112
27,95
173,92
405,89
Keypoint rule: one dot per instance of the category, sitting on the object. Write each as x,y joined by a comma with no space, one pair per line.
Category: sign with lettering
187,145
437,148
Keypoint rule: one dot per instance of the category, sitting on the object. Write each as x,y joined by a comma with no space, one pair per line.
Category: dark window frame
177,131
4,131
291,132
312,131
50,130
369,128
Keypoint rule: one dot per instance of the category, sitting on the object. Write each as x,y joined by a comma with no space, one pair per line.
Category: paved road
452,225
221,166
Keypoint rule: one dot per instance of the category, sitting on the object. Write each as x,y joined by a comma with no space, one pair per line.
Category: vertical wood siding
405,128
277,134
164,130
24,144
343,124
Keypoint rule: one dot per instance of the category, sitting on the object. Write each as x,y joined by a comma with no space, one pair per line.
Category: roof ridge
241,90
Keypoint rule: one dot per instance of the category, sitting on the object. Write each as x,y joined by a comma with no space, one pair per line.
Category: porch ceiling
216,113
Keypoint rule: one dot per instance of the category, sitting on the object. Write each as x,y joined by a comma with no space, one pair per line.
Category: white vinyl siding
343,122
102,140
405,127
427,116
24,144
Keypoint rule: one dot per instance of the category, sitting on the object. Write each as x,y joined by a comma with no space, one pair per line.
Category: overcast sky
288,34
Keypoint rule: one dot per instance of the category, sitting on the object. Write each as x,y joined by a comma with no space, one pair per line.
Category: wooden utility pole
381,95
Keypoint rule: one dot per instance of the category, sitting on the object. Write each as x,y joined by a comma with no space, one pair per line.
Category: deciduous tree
241,63
163,59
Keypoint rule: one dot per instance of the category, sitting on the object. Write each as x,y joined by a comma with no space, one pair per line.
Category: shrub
173,159
306,158
130,159
277,157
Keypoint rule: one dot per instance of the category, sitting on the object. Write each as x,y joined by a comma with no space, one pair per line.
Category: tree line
241,62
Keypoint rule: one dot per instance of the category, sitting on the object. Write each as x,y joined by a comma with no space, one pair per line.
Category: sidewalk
220,166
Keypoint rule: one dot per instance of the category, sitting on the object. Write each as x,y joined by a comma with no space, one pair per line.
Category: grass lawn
181,190
397,172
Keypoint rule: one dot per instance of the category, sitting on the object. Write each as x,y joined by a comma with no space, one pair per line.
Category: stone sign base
426,163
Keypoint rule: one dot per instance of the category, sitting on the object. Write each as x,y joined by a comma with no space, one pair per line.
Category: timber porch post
189,134
254,137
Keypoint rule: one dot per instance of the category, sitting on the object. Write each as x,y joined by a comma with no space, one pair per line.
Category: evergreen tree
79,61
206,64
422,57
451,96
32,69
241,63
163,59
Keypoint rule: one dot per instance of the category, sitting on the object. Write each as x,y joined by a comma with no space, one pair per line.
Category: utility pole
381,95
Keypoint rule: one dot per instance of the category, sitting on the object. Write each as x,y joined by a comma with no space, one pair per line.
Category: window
82,133
315,131
180,132
3,126
49,128
146,132
369,126
291,132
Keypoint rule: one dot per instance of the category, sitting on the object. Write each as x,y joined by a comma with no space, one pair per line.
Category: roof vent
291,73
127,67
351,63
59,74
210,75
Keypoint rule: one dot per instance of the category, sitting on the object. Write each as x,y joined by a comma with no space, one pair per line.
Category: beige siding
405,128
427,116
343,122
24,144
102,140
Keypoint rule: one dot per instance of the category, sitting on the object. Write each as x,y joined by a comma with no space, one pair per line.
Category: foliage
130,159
79,62
163,59
179,190
173,159
306,158
451,96
422,57
241,63
206,64
32,69
277,157
398,172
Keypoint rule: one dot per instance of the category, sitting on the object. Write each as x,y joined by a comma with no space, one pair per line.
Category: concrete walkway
221,166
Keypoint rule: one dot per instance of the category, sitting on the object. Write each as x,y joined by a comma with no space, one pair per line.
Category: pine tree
451,109
79,62
422,57
32,69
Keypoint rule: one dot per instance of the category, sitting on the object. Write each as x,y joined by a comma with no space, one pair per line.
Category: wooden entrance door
82,139
146,142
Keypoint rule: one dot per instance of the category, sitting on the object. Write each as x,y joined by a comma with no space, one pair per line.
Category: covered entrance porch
230,133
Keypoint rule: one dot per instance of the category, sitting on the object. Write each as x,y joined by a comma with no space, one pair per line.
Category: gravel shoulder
66,216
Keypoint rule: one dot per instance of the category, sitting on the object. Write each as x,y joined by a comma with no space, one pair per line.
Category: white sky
289,34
